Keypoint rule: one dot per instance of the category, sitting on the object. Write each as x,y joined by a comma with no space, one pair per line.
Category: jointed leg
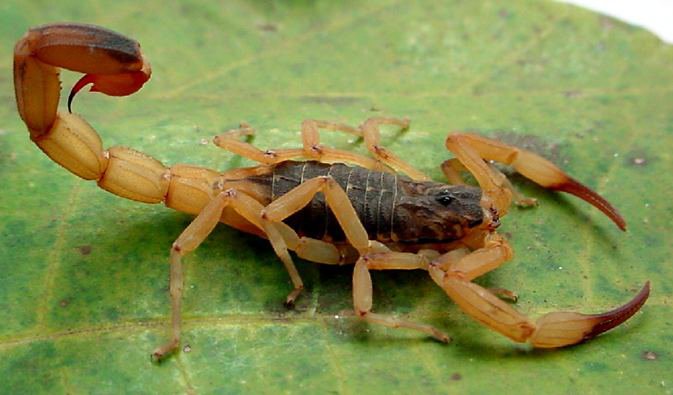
370,131
472,150
373,255
196,233
362,289
336,199
312,149
252,210
230,141
188,241
452,169
372,136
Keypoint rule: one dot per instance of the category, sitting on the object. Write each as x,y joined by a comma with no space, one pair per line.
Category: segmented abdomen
372,194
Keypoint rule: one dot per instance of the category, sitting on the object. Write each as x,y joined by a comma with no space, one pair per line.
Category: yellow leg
362,289
196,233
188,241
312,149
452,169
372,135
230,141
372,254
370,131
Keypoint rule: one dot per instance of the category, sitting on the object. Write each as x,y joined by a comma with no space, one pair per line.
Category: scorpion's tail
115,66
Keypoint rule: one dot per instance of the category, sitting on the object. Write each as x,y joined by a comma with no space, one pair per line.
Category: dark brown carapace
336,208
391,207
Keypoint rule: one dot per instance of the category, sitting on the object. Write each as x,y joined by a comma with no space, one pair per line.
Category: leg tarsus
362,293
292,296
165,350
190,239
395,323
504,294
372,136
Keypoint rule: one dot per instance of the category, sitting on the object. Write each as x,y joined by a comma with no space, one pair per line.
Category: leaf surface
83,294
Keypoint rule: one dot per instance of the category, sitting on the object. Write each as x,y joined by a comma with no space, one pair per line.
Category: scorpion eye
445,198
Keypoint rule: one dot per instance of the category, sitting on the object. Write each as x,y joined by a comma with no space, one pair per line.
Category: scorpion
331,207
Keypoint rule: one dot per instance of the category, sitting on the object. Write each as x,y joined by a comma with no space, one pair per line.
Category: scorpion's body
364,212
391,207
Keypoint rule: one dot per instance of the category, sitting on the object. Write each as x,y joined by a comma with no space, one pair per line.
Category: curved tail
114,64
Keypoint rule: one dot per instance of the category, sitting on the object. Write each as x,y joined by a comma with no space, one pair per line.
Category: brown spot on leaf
637,157
267,27
333,100
64,303
572,93
649,356
456,376
84,249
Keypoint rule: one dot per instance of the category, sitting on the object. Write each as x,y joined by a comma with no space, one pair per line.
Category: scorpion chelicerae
335,207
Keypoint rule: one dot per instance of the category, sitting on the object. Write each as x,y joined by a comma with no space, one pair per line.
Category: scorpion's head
434,212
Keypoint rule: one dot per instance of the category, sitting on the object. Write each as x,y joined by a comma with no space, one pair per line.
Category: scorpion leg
472,150
196,233
372,135
452,169
230,141
310,136
369,130
362,289
188,241
371,252
556,329
277,233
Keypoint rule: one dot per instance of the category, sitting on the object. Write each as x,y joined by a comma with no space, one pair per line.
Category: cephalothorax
335,208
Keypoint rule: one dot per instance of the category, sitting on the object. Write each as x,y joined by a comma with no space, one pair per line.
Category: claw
576,188
558,329
471,150
565,329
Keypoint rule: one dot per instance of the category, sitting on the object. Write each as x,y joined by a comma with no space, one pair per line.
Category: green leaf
83,290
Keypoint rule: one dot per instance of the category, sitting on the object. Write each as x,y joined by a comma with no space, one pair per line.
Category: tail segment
115,66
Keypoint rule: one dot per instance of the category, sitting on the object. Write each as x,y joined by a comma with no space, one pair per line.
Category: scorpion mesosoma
365,213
